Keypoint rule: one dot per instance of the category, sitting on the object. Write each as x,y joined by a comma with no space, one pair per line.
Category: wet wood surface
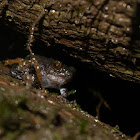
99,32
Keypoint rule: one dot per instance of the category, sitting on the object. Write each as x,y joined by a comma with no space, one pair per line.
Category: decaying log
99,32
28,116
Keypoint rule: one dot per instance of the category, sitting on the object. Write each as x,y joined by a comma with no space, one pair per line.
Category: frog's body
53,73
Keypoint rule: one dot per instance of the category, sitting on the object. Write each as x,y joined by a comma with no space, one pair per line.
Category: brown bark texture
100,32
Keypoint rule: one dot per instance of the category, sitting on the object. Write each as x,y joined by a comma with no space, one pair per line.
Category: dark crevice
23,106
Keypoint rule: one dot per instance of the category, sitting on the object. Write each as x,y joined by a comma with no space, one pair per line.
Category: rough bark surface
98,32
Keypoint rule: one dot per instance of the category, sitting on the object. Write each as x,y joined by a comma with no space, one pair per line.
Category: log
27,115
99,32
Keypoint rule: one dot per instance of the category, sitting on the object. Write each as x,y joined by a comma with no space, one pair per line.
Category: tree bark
99,32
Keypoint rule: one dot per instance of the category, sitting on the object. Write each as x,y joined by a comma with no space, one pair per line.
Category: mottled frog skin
54,73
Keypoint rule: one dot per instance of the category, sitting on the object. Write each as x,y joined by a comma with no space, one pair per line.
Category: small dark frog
48,72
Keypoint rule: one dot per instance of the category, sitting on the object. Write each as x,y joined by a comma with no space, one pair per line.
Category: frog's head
62,70
57,74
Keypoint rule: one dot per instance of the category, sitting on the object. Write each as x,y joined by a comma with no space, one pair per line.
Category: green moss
83,126
14,117
128,72
73,91
11,135
9,111
137,55
57,136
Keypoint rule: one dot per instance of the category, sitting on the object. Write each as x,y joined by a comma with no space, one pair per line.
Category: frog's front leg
64,92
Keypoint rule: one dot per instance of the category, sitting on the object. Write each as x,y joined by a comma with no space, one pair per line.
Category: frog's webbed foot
22,72
64,92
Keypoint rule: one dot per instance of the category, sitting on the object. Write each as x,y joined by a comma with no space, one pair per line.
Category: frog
48,72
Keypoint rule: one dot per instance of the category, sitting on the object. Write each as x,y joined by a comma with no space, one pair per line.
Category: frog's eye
56,65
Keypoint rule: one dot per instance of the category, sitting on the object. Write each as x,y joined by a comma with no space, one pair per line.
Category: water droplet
128,6
12,83
120,19
115,41
33,78
97,3
106,8
111,75
96,120
51,102
42,96
80,14
124,5
16,102
28,77
94,125
3,89
112,131
93,29
65,31
76,21
74,108
105,16
102,33
33,58
87,8
52,11
128,29
123,135
24,63
38,67
37,126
